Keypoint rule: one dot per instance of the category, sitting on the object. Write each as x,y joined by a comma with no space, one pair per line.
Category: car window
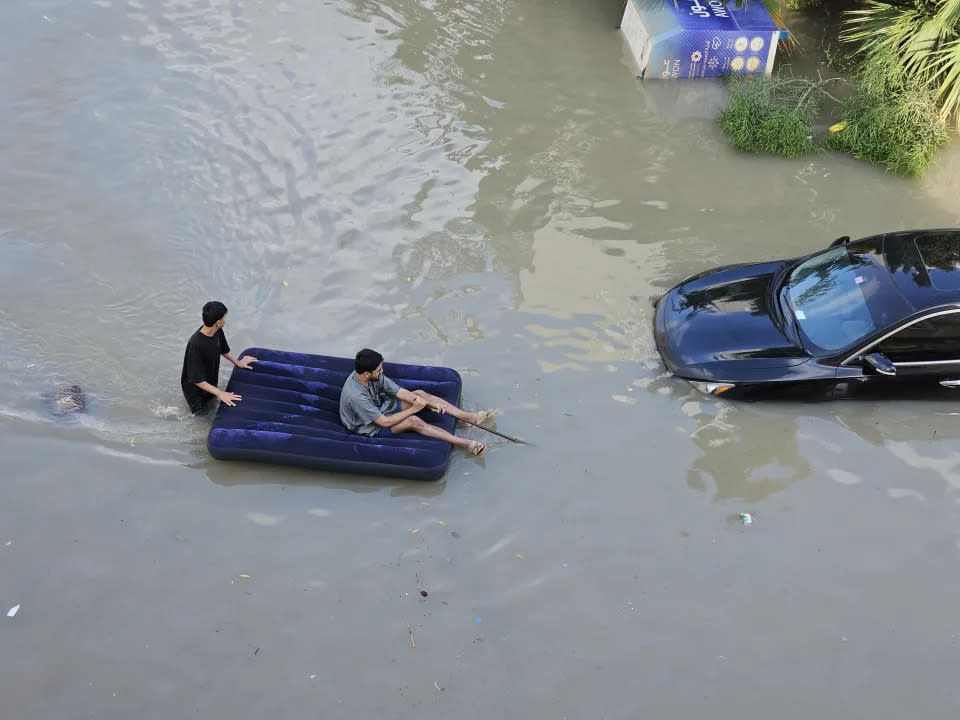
941,255
937,338
842,295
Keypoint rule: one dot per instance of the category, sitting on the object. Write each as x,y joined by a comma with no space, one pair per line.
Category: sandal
476,448
485,415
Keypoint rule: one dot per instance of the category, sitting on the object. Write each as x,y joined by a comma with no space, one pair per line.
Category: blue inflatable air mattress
290,414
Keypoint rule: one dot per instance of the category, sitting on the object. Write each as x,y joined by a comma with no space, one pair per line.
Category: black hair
213,311
367,360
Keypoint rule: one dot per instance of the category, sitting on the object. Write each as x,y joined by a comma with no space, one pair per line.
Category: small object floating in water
13,611
746,518
290,415
66,399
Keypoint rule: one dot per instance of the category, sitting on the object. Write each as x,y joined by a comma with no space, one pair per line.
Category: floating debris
746,518
423,593
245,576
410,631
13,611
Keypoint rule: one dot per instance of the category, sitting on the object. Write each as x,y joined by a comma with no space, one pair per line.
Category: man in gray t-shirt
361,404
374,405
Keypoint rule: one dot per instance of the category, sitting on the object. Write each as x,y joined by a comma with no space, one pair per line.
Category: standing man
201,361
372,404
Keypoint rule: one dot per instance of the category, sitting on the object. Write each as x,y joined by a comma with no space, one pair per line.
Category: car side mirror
840,241
881,363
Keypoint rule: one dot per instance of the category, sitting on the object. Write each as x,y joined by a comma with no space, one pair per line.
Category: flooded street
480,185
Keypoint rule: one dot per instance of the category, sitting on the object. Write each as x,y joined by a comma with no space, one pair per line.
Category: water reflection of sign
671,69
697,9
700,10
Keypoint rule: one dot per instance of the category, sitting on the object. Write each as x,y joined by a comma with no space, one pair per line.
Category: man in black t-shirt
201,361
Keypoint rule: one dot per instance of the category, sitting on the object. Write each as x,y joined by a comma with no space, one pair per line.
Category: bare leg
415,424
449,408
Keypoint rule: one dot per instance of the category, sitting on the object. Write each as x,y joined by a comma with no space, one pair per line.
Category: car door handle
952,384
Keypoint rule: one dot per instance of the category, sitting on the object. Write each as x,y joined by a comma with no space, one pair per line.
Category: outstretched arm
227,398
245,362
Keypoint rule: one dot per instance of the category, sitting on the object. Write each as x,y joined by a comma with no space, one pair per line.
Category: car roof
925,265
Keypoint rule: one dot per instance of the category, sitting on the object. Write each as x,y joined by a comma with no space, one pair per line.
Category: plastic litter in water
15,609
479,620
746,518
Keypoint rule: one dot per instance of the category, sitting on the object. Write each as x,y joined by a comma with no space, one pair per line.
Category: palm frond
946,76
911,42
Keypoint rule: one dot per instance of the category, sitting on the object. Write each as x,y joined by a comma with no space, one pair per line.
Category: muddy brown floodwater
483,185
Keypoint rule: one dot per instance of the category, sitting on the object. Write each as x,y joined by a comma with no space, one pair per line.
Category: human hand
439,409
228,398
419,403
246,361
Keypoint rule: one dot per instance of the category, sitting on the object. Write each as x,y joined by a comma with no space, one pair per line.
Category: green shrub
891,120
771,115
918,39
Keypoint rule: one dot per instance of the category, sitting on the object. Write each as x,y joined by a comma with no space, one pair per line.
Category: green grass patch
771,114
891,121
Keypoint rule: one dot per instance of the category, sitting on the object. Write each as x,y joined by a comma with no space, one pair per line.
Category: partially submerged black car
882,312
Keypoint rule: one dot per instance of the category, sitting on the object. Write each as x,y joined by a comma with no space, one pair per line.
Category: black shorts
200,406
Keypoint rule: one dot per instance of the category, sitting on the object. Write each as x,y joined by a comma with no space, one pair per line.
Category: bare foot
481,417
476,448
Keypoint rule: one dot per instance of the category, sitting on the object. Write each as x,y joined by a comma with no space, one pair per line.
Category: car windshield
843,295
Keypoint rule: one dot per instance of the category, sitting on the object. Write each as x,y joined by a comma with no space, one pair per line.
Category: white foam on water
265,520
135,457
496,547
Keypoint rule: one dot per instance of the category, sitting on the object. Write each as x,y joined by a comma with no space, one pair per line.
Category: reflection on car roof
925,264
941,256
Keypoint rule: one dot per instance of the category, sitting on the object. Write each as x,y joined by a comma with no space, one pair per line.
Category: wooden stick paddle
505,437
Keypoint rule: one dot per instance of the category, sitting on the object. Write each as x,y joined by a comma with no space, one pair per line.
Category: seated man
373,404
